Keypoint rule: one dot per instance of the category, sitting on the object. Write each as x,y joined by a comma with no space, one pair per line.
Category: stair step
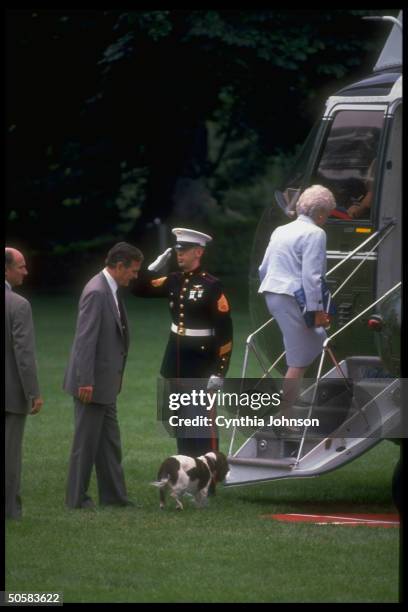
284,462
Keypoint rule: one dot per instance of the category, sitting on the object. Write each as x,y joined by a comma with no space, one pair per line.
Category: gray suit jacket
21,368
99,351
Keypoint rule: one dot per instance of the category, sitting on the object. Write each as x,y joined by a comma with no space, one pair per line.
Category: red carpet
350,519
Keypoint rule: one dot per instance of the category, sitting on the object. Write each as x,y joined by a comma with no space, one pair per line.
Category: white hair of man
314,200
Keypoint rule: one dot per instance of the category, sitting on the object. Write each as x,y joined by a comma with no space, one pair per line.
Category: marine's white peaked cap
188,237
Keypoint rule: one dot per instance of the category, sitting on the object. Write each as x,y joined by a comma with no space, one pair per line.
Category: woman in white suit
296,258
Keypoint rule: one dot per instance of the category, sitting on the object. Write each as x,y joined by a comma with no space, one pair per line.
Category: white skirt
302,344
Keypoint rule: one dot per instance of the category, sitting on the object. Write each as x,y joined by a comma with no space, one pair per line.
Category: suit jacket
21,367
295,259
99,351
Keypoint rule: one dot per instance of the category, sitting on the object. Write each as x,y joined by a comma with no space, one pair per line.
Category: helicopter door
390,204
349,165
389,253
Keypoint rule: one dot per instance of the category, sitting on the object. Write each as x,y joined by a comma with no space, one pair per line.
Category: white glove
160,261
215,383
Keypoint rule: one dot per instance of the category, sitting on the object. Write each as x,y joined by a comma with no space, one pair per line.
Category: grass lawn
224,553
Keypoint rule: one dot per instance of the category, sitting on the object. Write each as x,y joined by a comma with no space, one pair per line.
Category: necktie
122,314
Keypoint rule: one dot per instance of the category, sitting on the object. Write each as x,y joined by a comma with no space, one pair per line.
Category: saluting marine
200,341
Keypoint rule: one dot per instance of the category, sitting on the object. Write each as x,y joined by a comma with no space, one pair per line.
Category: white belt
182,331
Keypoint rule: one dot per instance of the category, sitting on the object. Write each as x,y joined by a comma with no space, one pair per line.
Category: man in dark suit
22,388
94,378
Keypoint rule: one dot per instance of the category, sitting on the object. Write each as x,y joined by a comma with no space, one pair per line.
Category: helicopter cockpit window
348,163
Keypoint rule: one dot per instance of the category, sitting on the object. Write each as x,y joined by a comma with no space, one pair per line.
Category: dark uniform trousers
199,345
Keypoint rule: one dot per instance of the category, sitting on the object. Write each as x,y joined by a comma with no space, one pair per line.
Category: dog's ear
212,463
222,467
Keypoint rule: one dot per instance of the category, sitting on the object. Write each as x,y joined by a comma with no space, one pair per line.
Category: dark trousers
201,439
191,440
96,442
13,461
194,447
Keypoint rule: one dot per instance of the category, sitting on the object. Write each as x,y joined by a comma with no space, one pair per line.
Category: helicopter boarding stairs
356,411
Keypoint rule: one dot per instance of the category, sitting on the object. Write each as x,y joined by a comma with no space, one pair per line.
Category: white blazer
295,258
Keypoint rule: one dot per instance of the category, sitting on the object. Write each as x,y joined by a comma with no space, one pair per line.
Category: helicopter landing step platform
284,462
372,413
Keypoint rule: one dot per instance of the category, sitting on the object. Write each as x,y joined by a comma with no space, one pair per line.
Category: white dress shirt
113,286
8,286
295,258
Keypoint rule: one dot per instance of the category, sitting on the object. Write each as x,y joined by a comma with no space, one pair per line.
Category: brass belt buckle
181,331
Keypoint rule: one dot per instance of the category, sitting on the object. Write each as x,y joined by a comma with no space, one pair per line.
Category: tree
108,112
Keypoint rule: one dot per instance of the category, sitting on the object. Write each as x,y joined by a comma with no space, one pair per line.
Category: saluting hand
160,261
85,394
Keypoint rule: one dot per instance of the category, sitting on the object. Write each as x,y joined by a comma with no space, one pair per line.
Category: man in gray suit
22,389
94,378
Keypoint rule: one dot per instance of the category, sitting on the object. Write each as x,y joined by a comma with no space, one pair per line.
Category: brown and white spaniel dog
183,474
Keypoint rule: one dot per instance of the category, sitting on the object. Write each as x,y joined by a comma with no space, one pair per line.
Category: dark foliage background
118,119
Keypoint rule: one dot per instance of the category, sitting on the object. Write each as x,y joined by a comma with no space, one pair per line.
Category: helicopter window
348,162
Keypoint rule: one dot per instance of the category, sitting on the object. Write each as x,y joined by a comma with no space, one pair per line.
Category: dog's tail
160,483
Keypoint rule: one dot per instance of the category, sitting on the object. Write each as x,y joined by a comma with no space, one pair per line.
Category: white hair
314,199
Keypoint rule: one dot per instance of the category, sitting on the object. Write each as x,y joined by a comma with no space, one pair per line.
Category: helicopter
355,150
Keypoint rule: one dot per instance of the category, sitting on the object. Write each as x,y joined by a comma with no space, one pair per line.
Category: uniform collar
8,286
195,271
